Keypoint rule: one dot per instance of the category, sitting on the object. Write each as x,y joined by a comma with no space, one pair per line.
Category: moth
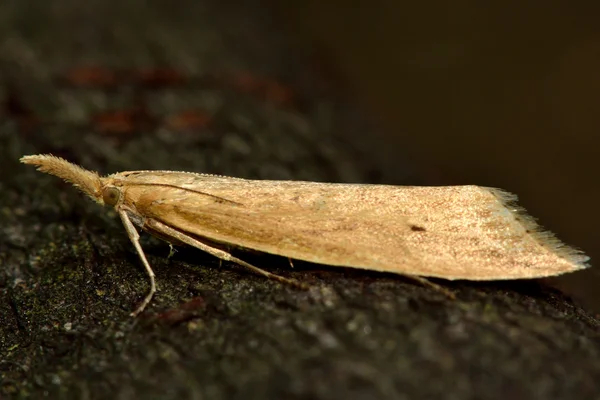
450,232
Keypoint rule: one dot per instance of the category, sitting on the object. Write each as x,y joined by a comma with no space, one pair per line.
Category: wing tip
576,257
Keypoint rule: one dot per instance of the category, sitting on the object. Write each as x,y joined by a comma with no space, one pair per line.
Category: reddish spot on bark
277,93
158,77
245,82
185,312
123,122
268,89
91,77
190,120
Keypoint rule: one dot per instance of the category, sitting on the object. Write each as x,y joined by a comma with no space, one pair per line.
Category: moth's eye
111,195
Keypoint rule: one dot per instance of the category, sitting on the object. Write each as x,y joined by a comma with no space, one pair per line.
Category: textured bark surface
69,276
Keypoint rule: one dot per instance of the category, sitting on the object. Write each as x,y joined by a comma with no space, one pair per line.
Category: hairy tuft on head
89,182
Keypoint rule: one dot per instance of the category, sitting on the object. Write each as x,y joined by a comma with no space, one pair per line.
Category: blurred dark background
489,93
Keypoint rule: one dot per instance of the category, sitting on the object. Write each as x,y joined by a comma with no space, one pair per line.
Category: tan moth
450,232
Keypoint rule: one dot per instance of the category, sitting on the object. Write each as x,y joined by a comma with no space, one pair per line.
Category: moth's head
89,182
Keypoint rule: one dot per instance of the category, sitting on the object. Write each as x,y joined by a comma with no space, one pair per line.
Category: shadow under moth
450,232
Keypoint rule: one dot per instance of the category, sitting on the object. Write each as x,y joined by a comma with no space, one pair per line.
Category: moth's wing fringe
544,237
87,181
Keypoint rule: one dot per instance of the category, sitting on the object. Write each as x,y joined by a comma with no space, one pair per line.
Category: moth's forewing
457,232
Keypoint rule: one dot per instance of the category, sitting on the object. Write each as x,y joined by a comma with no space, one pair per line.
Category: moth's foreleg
219,253
135,239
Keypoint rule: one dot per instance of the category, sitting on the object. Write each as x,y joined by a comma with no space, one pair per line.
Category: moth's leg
221,254
221,260
135,239
172,251
427,282
290,261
